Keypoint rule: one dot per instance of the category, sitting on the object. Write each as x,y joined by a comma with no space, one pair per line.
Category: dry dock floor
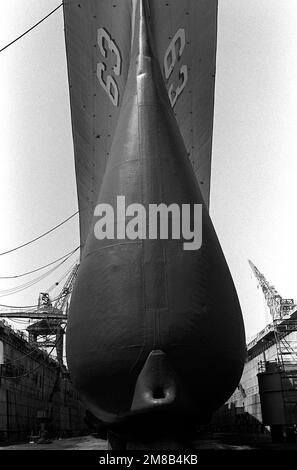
215,442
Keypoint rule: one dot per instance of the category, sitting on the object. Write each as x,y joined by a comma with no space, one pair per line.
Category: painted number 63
172,54
108,83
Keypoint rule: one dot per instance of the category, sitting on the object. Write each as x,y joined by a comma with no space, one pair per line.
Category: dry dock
215,442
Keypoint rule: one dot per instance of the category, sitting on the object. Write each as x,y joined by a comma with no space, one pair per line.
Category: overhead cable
32,27
21,287
53,286
42,267
19,306
40,236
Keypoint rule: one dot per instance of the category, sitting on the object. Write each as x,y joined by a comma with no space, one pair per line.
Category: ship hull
155,333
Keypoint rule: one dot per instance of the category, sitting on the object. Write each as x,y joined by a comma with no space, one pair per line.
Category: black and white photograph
148,295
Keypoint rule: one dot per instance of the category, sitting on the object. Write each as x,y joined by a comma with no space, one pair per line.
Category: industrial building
35,389
37,398
266,397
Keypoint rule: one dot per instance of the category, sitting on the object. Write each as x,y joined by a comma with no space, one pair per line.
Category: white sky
253,192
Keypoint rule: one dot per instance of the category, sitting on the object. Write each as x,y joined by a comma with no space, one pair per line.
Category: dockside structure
35,389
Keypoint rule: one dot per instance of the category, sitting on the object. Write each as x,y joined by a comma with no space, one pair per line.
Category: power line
32,27
42,267
40,236
19,306
53,286
23,307
21,287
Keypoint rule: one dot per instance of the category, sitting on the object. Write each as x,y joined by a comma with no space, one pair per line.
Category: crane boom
278,306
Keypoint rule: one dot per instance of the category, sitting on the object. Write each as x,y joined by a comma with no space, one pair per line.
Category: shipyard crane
283,323
278,306
61,302
45,308
51,316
